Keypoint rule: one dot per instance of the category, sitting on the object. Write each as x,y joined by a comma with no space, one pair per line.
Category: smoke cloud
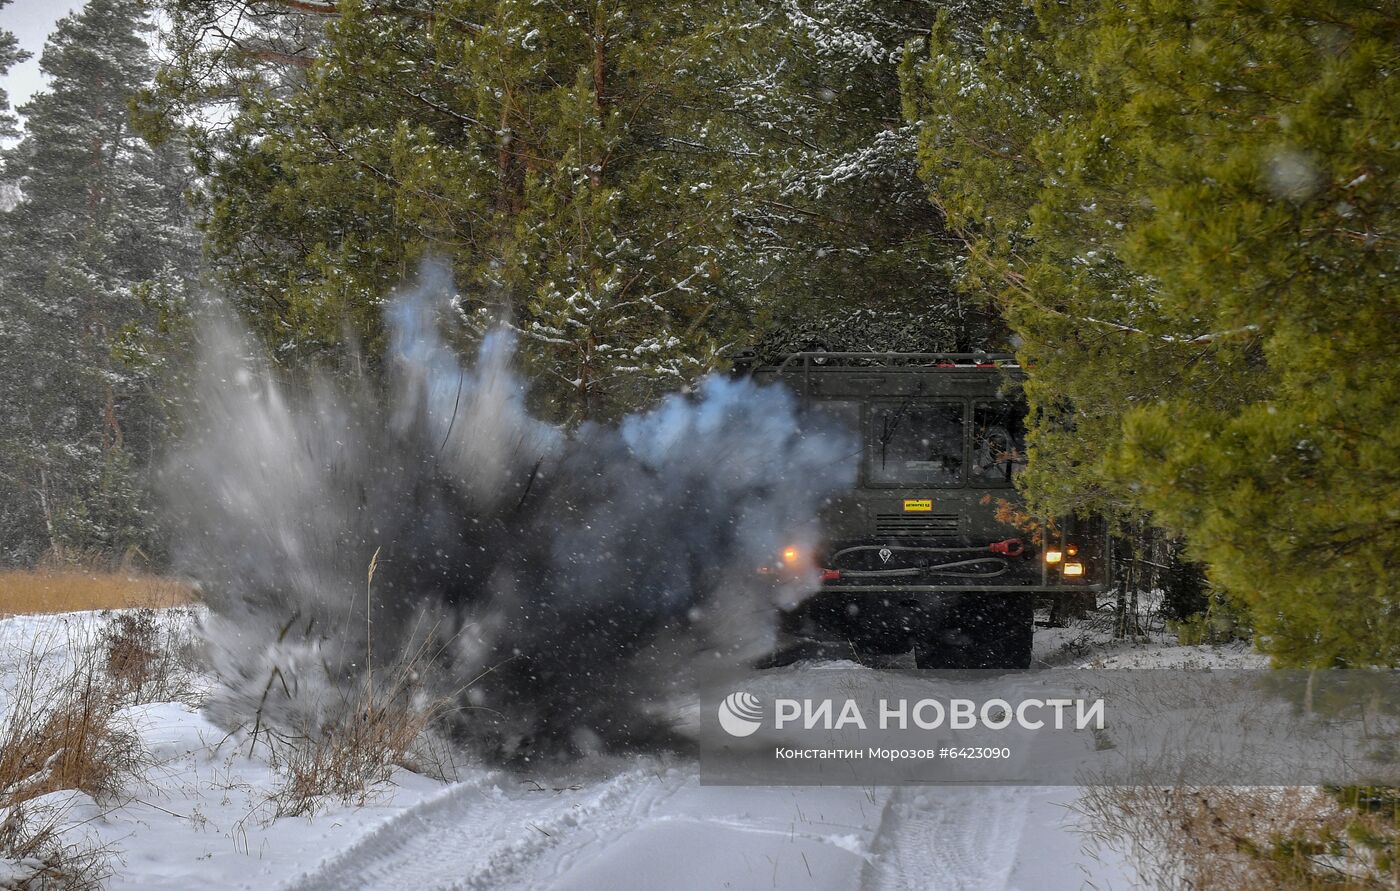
559,587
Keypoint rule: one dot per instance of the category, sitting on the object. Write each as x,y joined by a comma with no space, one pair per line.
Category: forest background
1181,215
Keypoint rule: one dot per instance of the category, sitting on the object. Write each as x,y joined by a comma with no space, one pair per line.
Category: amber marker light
790,556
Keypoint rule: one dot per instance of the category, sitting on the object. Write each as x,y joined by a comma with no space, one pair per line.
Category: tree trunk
600,101
112,431
504,201
586,383
46,507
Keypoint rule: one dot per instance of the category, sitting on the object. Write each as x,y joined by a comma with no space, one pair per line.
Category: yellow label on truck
918,504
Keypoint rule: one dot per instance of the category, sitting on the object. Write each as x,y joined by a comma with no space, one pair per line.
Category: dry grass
68,589
345,760
60,732
381,722
358,746
40,858
1251,838
150,655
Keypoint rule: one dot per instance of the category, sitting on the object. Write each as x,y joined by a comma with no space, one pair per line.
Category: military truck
932,550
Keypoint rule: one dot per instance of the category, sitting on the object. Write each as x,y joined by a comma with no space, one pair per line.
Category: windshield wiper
892,424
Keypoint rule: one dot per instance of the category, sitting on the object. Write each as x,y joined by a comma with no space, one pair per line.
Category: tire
983,631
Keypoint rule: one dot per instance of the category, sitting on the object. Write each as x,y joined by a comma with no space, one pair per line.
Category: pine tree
1188,214
96,246
10,55
635,186
832,208
533,146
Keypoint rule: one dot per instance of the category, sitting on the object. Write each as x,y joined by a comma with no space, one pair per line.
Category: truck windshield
998,442
915,444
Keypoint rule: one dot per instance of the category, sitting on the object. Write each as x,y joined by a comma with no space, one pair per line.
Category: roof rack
805,363
825,359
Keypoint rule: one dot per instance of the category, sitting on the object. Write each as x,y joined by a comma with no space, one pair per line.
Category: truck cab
932,550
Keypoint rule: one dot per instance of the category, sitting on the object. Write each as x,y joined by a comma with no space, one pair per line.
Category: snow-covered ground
200,815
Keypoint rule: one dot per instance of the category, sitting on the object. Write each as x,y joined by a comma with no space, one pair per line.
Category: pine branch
310,7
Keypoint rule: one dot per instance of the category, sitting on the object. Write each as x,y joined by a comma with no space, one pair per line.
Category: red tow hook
1011,547
831,575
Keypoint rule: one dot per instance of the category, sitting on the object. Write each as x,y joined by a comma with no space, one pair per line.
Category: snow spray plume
561,587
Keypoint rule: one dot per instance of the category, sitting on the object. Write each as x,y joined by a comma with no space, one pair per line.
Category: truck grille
915,526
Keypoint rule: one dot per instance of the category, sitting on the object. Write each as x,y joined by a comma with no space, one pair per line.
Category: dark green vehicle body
925,552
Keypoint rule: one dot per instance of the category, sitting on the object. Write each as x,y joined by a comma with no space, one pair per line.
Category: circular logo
740,714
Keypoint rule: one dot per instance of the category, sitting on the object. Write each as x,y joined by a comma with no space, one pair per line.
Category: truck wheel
984,631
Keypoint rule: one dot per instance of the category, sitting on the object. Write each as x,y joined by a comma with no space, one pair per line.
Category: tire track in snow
477,835
947,838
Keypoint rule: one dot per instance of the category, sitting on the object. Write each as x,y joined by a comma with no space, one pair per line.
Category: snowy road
200,817
654,827
649,824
